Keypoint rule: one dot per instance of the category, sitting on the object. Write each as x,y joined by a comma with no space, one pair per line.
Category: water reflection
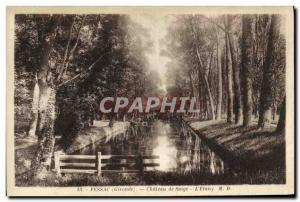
164,147
179,148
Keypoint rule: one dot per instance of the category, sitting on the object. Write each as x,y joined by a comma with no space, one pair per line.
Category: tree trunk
219,96
197,93
210,105
274,110
229,83
191,85
194,92
34,111
44,131
246,65
211,112
193,89
46,106
281,122
203,76
266,95
211,101
236,79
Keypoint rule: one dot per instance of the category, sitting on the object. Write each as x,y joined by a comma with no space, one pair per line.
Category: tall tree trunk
211,102
219,96
281,122
274,110
191,85
195,93
34,111
266,95
224,81
246,65
46,107
229,83
203,76
236,79
44,130
202,97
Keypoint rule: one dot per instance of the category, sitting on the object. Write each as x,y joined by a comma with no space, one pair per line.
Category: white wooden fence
97,164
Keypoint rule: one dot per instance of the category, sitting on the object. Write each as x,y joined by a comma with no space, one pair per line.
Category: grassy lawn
25,148
157,178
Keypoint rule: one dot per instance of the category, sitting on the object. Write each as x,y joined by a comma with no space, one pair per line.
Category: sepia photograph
150,101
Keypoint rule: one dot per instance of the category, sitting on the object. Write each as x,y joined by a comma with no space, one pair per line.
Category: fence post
99,163
140,163
57,162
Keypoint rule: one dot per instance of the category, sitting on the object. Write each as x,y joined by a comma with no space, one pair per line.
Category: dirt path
23,143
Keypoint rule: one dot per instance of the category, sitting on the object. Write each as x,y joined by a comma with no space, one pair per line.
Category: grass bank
247,150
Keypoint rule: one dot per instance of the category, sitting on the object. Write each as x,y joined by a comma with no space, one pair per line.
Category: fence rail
99,163
146,124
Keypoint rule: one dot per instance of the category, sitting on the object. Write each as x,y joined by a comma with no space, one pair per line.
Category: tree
246,65
34,114
259,44
46,99
281,123
236,71
232,70
203,76
266,95
230,95
192,52
59,71
220,85
111,45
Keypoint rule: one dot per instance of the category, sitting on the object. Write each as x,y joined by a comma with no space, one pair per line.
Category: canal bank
100,131
245,149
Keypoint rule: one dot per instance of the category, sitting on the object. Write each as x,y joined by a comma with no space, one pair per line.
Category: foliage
183,70
108,55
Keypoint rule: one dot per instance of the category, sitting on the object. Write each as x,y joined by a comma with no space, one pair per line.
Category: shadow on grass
247,148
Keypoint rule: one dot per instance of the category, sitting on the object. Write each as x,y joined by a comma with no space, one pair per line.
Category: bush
74,112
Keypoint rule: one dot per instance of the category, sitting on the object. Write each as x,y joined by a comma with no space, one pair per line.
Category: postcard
150,101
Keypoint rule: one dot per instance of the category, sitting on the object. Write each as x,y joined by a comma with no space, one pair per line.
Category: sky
157,25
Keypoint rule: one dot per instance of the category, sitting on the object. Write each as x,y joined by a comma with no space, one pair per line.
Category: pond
180,149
